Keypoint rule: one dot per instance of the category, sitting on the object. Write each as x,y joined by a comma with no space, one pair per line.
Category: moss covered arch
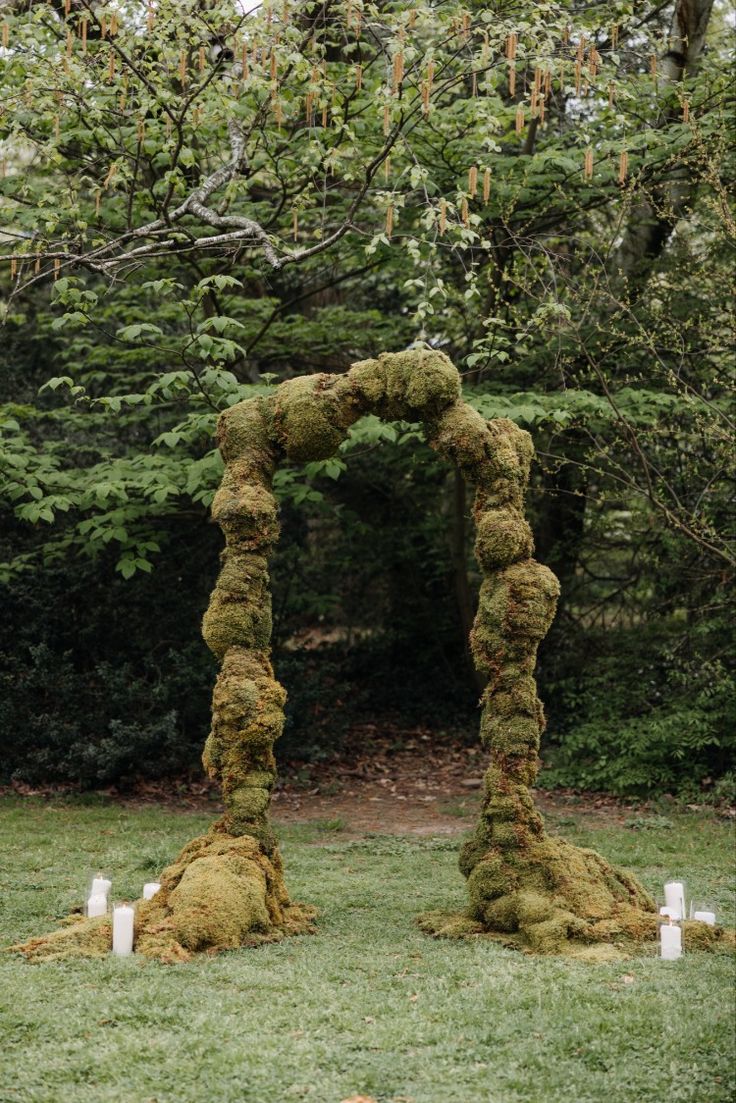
227,889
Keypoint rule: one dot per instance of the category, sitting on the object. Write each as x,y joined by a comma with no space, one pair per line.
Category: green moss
81,938
222,892
512,735
239,612
245,432
310,418
246,511
552,896
406,386
502,537
460,435
449,925
247,718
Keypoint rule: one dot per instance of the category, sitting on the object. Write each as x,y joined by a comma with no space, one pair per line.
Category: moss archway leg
530,890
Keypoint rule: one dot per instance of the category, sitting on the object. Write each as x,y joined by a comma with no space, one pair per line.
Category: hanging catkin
588,165
398,71
486,185
473,181
623,167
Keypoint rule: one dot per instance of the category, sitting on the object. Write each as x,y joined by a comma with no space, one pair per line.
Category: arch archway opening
525,888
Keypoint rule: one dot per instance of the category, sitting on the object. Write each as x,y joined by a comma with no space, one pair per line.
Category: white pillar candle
96,905
706,917
150,889
670,942
100,886
674,897
123,922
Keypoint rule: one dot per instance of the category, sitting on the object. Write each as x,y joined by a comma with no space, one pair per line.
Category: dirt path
420,789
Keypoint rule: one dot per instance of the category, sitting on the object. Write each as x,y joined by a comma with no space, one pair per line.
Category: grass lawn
366,1006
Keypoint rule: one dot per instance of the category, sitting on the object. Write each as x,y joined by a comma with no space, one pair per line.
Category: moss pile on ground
78,938
227,888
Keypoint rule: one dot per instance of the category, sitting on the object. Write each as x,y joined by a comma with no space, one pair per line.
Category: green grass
366,1006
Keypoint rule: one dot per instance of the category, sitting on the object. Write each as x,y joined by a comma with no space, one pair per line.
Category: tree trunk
651,223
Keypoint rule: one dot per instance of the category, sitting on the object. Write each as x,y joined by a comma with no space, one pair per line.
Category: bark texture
226,889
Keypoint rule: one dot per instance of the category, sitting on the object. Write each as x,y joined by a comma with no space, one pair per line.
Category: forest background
199,201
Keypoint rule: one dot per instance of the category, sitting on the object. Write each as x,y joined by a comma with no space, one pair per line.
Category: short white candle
670,942
150,889
706,917
123,923
96,905
100,886
674,897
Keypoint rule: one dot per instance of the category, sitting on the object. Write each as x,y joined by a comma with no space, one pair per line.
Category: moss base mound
221,893
555,898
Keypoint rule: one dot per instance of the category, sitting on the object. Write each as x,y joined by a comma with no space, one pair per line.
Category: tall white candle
100,886
670,942
150,889
706,917
123,924
674,897
96,905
